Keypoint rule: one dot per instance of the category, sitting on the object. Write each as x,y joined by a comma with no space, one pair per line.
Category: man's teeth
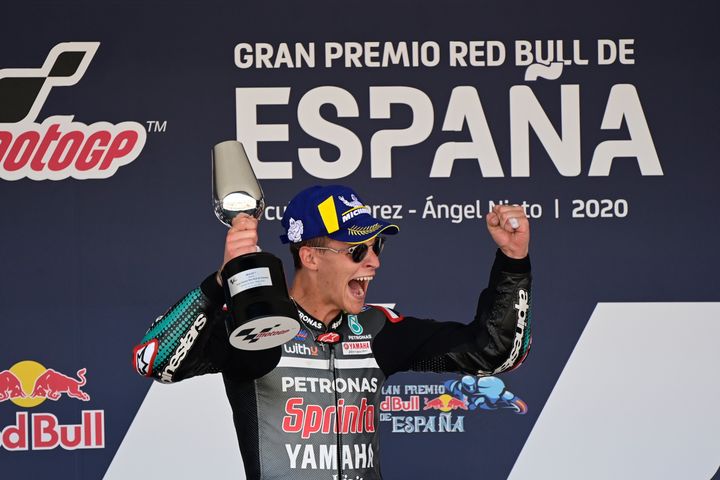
363,279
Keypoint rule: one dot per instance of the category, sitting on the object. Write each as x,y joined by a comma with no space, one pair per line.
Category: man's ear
308,257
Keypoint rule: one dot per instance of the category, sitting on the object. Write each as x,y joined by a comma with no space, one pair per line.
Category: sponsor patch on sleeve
144,356
391,314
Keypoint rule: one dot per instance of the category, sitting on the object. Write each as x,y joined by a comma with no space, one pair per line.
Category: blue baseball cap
333,211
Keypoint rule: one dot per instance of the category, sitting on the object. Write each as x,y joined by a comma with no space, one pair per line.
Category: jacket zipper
337,416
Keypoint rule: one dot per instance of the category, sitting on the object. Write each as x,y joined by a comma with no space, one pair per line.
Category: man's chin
354,307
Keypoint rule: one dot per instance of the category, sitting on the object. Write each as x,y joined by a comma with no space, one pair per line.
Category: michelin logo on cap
295,230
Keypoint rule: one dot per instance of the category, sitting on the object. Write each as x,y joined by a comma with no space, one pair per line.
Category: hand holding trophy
261,313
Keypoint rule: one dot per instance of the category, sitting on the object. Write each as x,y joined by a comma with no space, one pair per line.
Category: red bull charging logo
27,384
445,403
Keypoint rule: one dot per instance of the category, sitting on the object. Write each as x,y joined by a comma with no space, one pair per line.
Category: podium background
622,378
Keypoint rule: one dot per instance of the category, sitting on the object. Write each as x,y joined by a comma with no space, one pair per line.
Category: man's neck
310,299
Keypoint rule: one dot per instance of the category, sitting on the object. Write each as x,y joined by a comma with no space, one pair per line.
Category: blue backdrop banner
600,119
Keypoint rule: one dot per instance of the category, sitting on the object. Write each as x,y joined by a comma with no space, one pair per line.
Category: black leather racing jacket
310,408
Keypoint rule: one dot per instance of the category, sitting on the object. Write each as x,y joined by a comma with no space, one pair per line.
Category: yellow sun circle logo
446,401
27,371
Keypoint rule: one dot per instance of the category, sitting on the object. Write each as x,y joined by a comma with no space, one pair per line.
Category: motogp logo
59,147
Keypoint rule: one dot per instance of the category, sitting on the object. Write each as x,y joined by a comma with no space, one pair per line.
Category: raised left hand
510,229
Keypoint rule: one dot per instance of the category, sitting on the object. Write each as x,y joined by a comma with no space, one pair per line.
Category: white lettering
250,133
182,349
292,454
264,55
382,142
374,55
563,145
324,457
623,102
316,126
526,112
465,107
325,385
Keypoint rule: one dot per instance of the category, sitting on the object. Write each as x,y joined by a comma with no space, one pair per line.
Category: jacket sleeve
497,340
188,340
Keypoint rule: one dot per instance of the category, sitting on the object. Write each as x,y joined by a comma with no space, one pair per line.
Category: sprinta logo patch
58,147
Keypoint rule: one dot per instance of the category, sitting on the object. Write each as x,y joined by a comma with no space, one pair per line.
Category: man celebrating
310,409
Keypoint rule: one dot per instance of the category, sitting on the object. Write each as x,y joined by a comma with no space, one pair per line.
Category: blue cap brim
364,228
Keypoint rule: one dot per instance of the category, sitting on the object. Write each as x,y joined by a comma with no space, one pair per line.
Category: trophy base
261,314
264,333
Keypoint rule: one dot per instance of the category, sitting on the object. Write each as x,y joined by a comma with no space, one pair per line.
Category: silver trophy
261,313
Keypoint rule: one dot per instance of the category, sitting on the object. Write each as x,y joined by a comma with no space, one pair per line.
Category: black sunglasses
359,251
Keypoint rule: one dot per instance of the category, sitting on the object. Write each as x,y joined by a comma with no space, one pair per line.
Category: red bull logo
52,384
398,404
27,384
445,403
43,431
10,386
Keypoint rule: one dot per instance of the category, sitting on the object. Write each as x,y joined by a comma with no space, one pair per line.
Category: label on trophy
245,280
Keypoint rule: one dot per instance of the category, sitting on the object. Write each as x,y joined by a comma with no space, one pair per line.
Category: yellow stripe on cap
329,215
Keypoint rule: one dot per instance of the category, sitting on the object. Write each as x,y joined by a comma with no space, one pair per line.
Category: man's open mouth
358,286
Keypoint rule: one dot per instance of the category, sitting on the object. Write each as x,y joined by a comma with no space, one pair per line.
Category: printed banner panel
600,120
